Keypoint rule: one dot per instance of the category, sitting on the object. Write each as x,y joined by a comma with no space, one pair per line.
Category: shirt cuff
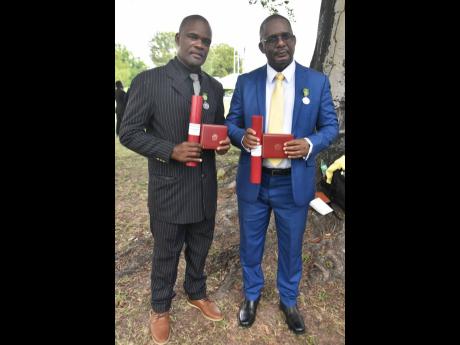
244,147
310,149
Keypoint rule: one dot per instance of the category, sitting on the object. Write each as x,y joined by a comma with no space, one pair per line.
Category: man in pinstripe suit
182,200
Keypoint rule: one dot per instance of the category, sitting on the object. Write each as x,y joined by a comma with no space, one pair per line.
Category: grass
322,296
311,340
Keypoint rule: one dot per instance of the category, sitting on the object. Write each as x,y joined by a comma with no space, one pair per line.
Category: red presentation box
211,135
273,145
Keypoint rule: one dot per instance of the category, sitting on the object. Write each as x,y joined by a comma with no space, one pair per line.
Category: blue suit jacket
316,120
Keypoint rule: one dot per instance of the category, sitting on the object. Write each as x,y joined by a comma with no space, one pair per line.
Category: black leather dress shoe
293,318
247,313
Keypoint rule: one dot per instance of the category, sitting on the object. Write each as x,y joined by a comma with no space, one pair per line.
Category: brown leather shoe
208,308
159,327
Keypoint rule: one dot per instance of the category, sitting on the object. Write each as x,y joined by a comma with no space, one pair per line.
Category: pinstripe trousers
169,239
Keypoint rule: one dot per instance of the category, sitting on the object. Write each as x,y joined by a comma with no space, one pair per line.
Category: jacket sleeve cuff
164,151
309,150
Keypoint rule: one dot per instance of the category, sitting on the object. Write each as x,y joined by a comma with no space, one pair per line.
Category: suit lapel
178,83
205,84
206,88
260,90
300,84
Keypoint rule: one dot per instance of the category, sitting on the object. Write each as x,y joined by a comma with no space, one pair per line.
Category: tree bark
329,58
329,54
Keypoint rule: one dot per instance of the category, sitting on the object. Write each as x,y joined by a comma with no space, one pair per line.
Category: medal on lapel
205,103
305,98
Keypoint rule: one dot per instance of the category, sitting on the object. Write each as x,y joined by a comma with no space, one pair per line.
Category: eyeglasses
273,39
195,37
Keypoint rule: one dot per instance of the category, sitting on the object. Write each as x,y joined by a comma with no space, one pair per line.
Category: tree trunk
329,54
329,58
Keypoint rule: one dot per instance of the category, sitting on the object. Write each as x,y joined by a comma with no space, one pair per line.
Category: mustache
197,53
281,51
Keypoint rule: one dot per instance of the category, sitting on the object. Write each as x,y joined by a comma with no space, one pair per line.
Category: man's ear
176,38
261,47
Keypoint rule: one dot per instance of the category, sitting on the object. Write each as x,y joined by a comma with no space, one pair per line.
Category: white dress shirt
288,95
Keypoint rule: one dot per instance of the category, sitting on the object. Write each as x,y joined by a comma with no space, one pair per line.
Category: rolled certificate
256,154
195,123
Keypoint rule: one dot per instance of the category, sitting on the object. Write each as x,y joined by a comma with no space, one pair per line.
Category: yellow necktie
275,120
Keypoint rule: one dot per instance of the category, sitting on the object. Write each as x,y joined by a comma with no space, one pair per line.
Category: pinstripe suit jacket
155,120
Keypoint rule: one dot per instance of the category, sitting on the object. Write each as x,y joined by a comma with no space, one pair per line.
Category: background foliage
126,65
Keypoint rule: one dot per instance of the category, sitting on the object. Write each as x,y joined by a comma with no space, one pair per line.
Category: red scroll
256,154
195,123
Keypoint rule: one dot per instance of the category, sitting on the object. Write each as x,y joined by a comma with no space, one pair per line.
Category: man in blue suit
287,186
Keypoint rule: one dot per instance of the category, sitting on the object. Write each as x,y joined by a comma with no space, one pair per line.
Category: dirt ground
322,295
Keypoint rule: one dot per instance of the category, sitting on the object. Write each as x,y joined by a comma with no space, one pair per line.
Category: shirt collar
288,72
184,70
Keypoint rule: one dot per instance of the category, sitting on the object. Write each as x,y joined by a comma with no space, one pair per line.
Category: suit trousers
275,194
169,239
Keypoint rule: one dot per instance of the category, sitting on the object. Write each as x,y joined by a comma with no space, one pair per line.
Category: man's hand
296,148
250,140
187,152
224,146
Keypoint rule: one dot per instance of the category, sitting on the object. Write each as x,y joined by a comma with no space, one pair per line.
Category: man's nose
280,41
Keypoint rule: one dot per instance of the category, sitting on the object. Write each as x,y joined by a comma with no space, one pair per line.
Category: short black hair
271,17
193,18
118,84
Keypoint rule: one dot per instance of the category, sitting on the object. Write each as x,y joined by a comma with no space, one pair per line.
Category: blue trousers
275,194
